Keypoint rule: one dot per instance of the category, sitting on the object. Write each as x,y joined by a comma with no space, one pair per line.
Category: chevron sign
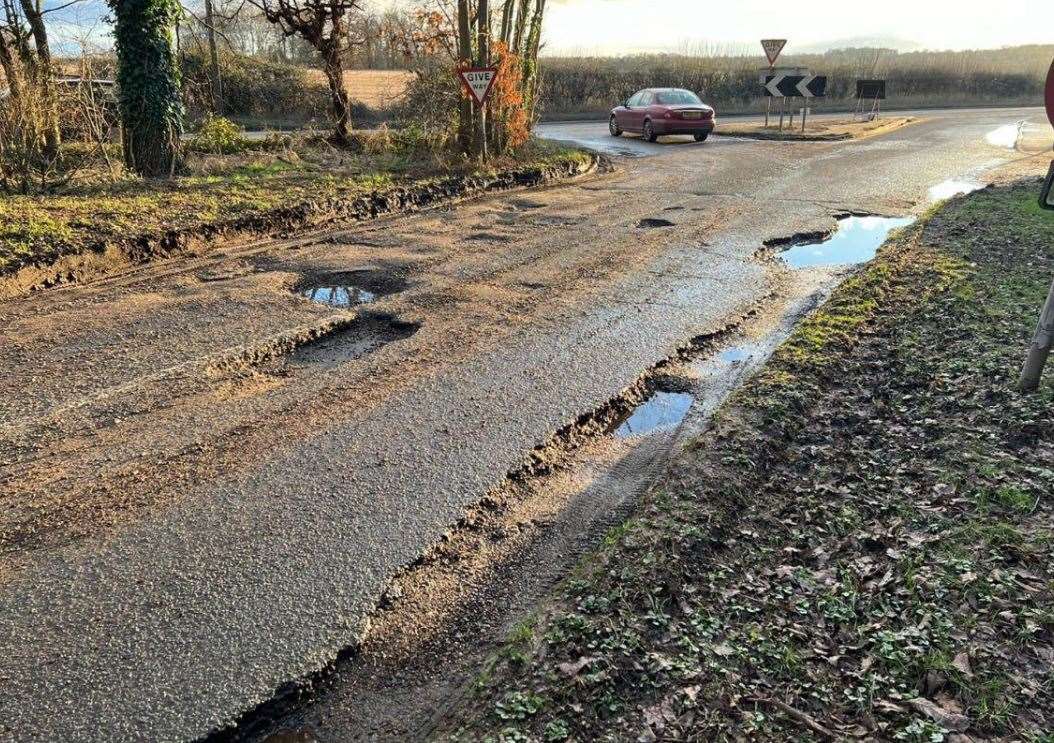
795,86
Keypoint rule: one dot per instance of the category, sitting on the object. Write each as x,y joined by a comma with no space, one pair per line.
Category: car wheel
649,133
702,137
613,127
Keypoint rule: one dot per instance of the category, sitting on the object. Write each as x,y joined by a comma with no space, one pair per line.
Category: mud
78,263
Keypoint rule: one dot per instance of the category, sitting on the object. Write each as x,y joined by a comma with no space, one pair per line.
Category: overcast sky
634,25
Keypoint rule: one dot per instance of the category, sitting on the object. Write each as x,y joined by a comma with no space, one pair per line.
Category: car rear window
678,98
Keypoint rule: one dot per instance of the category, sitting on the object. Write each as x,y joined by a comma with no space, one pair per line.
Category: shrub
253,88
218,136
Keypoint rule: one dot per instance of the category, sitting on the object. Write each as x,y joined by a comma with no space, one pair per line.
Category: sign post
783,85
1044,337
869,90
772,48
479,81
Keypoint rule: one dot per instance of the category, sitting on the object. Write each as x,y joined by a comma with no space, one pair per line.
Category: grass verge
817,131
858,548
251,181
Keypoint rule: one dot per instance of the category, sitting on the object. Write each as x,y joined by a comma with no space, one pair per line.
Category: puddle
342,295
661,411
349,288
1005,136
953,187
651,222
731,355
856,241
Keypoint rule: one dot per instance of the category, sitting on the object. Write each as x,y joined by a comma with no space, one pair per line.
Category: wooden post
804,114
1041,344
768,99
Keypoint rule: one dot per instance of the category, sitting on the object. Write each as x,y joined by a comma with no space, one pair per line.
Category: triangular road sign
478,81
772,48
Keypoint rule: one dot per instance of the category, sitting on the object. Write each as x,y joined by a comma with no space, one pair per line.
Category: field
376,89
1011,76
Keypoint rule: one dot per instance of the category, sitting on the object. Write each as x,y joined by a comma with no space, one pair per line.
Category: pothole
856,240
953,187
368,333
349,288
649,223
662,411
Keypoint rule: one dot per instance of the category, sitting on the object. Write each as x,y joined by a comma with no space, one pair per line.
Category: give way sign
478,81
772,48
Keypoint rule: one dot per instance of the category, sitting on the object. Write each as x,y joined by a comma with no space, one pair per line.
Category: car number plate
693,114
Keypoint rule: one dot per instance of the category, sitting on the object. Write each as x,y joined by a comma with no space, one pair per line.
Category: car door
624,114
640,108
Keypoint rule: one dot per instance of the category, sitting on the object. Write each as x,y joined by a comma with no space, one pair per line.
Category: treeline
594,84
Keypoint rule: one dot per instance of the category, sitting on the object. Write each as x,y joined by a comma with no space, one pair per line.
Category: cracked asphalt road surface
191,515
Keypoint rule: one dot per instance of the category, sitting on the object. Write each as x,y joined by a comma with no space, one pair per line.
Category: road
194,515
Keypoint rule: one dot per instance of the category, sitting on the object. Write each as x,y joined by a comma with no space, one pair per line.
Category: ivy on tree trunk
148,81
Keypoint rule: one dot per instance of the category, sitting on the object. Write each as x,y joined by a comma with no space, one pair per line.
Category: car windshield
678,98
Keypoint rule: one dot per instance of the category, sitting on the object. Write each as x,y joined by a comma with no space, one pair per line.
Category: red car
654,112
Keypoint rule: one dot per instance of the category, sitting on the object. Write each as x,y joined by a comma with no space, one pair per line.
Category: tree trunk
530,60
521,26
464,40
148,81
214,58
45,79
8,65
333,65
483,46
506,21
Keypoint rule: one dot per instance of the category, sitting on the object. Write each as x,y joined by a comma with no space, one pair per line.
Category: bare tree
325,25
33,11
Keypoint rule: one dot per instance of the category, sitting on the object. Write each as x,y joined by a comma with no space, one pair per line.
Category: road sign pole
804,114
1044,337
1041,344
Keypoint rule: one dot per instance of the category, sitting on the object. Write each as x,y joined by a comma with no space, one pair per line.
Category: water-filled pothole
953,187
349,288
661,411
856,240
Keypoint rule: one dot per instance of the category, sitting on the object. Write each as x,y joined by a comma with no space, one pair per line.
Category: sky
629,26
613,26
